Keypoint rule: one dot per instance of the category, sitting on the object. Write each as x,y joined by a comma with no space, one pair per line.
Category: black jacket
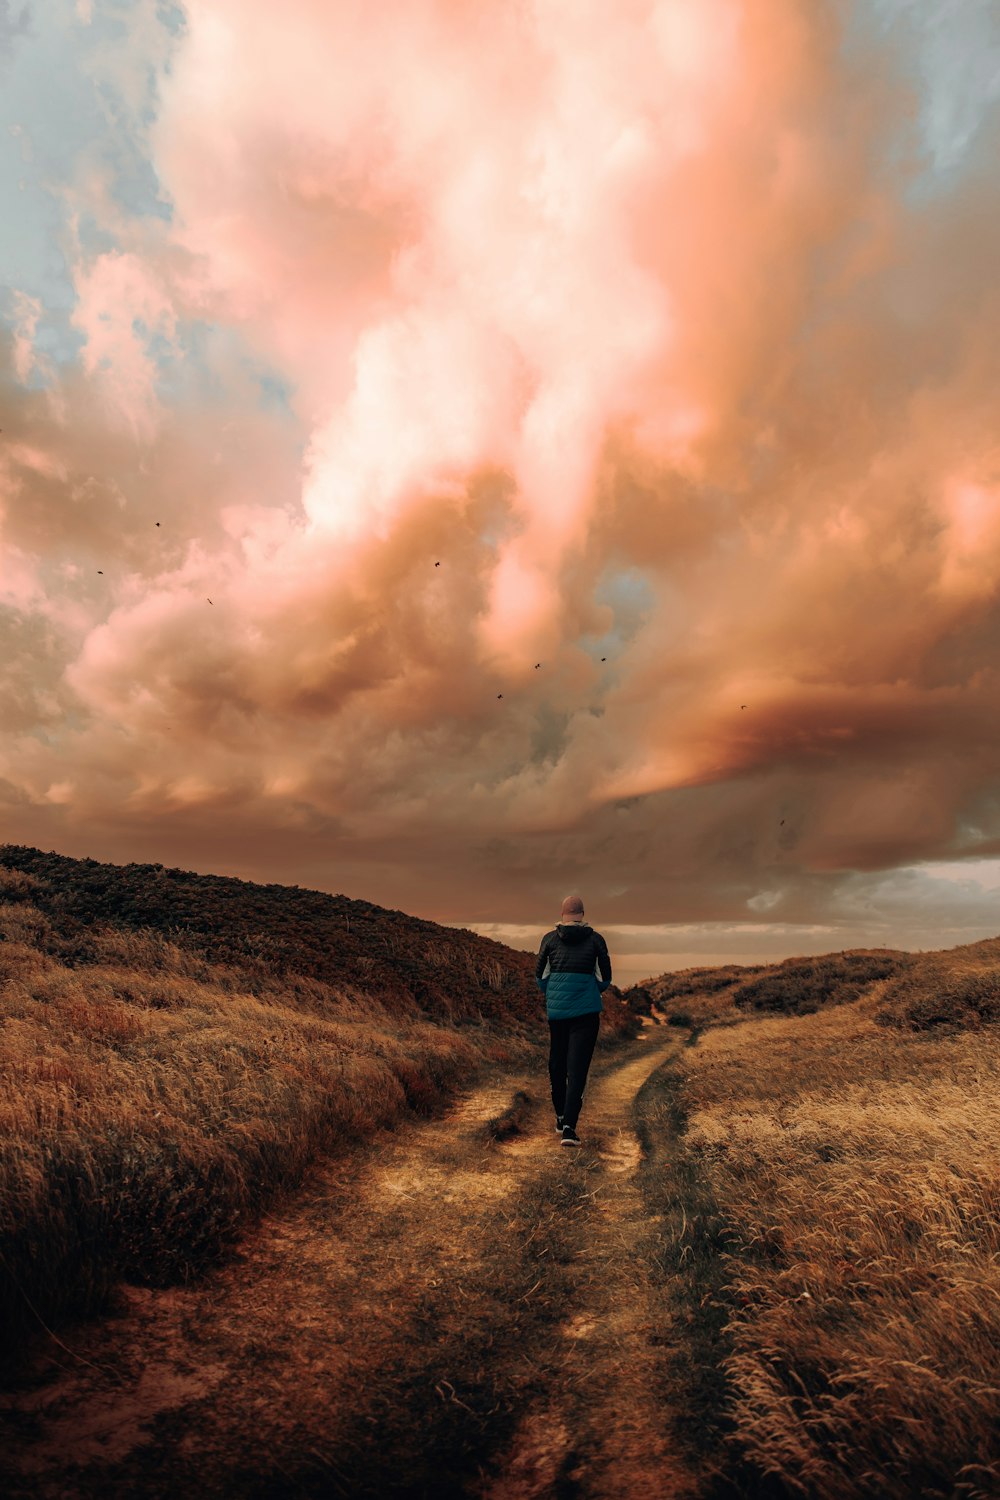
573,968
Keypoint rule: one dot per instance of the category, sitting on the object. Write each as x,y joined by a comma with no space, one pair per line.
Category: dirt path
601,1427
434,1314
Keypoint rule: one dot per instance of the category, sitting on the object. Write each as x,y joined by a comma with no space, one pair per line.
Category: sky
458,454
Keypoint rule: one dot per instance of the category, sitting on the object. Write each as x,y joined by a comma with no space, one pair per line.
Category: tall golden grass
147,1111
154,1098
855,1165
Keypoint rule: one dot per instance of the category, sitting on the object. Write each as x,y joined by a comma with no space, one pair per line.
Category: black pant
571,1047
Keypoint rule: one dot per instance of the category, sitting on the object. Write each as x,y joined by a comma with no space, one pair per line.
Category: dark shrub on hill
638,999
933,999
620,1021
800,986
640,1002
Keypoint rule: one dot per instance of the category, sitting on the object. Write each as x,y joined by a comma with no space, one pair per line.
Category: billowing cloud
513,447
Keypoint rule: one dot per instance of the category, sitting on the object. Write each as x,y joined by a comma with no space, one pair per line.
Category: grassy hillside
825,1163
271,931
821,1167
177,1048
723,995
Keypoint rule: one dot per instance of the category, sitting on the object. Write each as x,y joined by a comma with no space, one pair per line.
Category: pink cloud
558,294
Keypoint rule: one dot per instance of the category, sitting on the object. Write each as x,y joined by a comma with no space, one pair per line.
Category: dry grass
849,1182
384,1334
800,986
953,991
722,996
264,933
148,1108
157,1094
691,997
511,1119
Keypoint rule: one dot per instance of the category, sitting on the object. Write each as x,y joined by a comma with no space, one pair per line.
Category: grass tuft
510,1121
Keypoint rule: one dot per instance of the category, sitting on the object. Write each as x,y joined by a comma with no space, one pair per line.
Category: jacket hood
574,932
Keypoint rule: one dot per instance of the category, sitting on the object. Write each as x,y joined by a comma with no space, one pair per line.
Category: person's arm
542,965
603,963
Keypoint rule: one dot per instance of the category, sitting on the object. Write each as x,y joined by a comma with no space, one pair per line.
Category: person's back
573,968
572,952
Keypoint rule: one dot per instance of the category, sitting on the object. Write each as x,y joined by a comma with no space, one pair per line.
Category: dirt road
435,1314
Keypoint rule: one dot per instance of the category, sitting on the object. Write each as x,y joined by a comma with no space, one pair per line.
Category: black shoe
569,1136
559,1124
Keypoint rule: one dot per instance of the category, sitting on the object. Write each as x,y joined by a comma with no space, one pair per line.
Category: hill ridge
414,963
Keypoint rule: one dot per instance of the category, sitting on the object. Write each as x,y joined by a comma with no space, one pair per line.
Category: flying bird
499,695
782,823
604,658
742,705
101,572
537,665
209,600
157,523
437,564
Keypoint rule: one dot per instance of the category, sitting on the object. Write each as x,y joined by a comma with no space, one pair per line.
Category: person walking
573,970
